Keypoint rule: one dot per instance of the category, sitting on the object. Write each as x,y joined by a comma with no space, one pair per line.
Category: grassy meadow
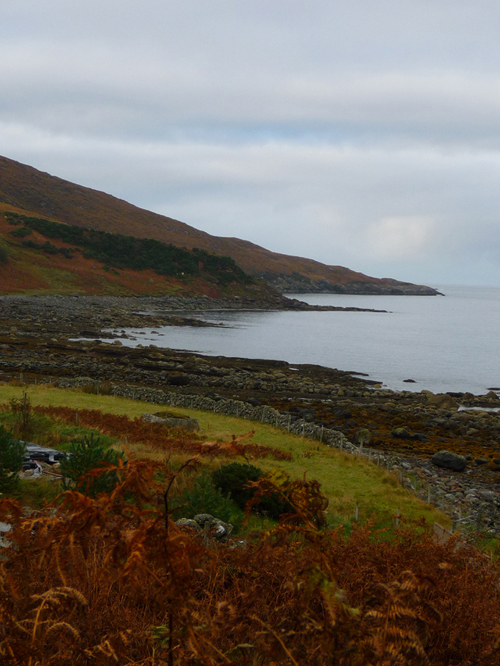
346,480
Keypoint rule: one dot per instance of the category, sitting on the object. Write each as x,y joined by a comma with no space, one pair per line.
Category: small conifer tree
11,461
86,455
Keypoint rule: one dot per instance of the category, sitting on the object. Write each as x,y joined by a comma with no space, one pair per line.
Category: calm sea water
449,343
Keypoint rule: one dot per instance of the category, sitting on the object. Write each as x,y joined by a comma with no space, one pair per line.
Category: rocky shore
296,283
86,316
402,430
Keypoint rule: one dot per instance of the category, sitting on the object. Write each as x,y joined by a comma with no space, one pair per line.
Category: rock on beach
449,460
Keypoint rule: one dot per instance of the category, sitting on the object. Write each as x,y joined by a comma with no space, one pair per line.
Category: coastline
403,426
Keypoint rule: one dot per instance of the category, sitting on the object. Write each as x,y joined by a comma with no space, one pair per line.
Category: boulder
179,380
307,415
218,528
449,460
441,400
172,421
255,402
188,522
403,433
487,495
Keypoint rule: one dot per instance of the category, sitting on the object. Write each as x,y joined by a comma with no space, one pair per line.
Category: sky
360,133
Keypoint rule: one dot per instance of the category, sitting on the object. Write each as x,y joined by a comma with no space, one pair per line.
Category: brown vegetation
158,437
113,580
25,189
31,271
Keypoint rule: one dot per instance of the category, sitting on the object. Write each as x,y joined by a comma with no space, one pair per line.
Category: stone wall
419,476
238,408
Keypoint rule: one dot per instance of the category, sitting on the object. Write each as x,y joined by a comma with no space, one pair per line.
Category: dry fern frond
56,626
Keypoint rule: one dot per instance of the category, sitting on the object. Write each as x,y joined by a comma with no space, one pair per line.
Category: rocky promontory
296,283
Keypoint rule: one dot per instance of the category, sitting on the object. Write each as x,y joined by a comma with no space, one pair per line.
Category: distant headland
35,258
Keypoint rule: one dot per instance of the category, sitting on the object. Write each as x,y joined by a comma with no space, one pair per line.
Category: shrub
23,410
21,232
119,251
4,257
11,460
232,480
86,455
205,497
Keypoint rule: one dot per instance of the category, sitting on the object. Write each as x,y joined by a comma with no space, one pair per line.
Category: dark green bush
119,251
88,454
4,257
204,497
232,480
48,248
21,232
11,461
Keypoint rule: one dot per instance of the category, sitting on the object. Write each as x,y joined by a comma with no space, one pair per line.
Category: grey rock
401,433
206,521
188,522
172,422
487,495
449,460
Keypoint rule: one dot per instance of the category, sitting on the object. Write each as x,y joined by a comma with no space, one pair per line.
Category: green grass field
345,479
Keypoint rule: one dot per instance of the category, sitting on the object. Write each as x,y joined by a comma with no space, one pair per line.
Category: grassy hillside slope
42,256
28,189
345,479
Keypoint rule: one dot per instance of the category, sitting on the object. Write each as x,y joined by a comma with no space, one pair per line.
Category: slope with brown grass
28,190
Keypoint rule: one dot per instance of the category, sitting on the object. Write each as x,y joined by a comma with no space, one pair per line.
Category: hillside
28,190
40,256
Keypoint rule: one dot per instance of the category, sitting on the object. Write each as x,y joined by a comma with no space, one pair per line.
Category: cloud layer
360,134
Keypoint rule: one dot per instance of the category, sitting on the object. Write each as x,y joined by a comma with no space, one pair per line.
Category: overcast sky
362,133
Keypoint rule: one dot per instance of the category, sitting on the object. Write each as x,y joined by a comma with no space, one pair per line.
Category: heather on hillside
119,251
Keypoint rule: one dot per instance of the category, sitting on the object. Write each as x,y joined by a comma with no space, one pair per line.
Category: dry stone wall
432,484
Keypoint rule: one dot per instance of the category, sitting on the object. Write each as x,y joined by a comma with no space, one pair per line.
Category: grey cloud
361,134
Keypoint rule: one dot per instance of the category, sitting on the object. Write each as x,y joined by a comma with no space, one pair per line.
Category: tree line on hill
127,252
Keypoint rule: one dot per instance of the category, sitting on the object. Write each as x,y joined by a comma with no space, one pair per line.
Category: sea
440,343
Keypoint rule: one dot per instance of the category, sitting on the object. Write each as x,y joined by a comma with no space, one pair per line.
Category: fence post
356,515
